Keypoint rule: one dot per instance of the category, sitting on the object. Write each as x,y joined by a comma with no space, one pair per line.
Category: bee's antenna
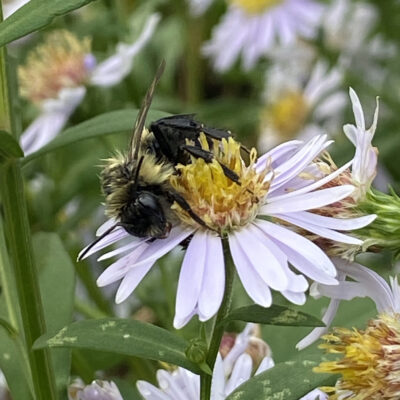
83,253
141,118
136,181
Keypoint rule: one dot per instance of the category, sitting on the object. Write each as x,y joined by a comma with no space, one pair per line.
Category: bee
136,186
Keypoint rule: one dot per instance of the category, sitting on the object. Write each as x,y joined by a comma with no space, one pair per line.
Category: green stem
19,240
218,328
17,232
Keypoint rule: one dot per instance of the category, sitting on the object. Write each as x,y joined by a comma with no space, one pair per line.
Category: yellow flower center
287,115
370,362
60,62
255,6
221,203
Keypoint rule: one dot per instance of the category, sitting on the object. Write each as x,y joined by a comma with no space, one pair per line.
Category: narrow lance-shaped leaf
104,124
129,337
274,315
289,380
34,15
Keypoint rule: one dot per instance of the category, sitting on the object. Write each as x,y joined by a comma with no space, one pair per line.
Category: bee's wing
141,118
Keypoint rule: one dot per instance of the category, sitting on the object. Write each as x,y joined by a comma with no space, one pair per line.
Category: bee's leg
174,196
208,157
220,134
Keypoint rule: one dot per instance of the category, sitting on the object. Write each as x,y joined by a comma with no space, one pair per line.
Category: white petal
316,333
340,224
316,394
295,297
357,109
105,226
117,67
255,287
241,373
318,230
218,380
160,247
308,188
268,266
266,364
130,281
150,392
116,235
191,276
120,268
308,201
301,252
123,249
213,285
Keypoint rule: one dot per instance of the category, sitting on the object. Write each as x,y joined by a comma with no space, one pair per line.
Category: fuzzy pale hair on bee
121,176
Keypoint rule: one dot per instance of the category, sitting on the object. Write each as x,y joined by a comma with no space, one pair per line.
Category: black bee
136,185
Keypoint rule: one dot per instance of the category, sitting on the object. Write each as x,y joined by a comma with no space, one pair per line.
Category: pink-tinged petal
255,287
357,109
302,253
295,297
241,373
340,224
114,236
191,276
264,261
310,187
218,380
308,201
278,154
160,247
151,392
131,280
122,249
318,230
316,333
213,285
120,268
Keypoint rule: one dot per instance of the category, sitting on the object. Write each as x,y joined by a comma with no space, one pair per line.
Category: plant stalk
17,232
218,328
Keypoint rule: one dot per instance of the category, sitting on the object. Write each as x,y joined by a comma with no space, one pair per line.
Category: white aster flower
298,103
229,373
249,216
56,74
348,28
97,390
368,359
253,28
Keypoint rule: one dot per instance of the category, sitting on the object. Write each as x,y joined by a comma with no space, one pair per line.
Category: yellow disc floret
56,64
370,363
287,115
221,203
255,6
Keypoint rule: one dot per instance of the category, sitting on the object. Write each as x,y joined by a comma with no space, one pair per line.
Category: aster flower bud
196,351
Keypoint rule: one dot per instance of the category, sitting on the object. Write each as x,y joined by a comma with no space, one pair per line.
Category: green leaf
104,124
288,380
129,337
57,287
274,315
9,147
34,15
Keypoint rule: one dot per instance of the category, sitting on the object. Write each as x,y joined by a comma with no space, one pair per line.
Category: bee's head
144,216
